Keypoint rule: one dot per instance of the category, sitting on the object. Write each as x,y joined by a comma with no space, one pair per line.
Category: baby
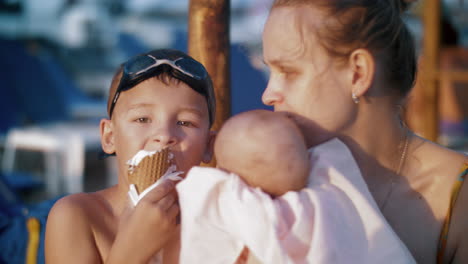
273,201
266,149
249,144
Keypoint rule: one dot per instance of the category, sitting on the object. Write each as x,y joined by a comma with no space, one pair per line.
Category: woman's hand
145,229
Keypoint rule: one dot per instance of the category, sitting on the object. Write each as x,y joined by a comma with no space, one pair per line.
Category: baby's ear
107,136
208,155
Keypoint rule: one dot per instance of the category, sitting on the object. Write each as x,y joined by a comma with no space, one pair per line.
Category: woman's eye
142,120
287,72
184,123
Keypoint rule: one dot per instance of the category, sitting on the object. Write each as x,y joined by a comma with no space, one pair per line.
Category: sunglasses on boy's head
145,66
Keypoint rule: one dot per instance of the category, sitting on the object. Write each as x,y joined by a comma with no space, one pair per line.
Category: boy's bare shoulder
76,209
79,203
74,222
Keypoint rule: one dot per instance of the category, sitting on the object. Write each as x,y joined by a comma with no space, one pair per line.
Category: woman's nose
271,95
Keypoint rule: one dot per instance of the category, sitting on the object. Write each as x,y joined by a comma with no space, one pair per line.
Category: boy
159,99
229,220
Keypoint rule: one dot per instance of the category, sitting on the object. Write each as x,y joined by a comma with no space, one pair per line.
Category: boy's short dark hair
165,64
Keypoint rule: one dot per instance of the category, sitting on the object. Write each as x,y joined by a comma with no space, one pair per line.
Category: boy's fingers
159,191
167,201
173,212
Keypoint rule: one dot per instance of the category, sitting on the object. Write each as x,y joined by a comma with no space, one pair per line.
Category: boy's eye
184,123
142,120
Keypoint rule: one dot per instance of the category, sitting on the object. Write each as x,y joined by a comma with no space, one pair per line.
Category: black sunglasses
145,66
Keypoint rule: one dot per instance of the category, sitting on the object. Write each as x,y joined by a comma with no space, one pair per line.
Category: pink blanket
334,220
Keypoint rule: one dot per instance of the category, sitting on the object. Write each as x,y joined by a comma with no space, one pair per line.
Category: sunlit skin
296,64
168,116
102,227
316,89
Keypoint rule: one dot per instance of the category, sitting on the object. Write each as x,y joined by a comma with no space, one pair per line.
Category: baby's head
266,149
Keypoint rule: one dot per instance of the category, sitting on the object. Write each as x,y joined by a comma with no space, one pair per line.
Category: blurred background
57,58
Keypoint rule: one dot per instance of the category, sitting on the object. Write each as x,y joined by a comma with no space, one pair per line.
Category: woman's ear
362,64
208,155
107,136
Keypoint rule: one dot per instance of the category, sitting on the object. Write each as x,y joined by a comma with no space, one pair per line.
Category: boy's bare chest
105,232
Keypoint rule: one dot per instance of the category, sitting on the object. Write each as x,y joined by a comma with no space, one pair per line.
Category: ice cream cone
149,169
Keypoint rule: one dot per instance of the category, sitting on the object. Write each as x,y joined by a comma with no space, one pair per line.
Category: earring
355,98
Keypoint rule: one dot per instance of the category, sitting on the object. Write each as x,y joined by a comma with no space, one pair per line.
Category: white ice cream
133,162
142,154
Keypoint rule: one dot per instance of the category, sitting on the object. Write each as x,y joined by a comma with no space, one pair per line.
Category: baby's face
153,115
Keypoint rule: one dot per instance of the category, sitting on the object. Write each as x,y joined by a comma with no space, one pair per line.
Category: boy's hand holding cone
146,168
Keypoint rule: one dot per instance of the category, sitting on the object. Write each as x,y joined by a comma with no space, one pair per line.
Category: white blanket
334,220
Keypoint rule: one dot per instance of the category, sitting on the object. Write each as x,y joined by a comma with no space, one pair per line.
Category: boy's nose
163,138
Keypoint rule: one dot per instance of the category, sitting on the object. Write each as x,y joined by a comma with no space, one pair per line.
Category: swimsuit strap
445,229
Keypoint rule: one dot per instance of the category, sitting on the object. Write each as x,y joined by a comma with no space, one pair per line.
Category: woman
344,68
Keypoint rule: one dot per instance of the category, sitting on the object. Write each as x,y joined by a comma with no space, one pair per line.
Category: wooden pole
208,42
431,47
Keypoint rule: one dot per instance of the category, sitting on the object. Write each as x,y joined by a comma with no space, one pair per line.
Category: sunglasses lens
193,67
137,64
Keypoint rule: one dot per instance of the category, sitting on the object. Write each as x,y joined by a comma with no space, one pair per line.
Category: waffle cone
149,170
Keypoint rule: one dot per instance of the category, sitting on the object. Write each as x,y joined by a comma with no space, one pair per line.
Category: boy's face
153,115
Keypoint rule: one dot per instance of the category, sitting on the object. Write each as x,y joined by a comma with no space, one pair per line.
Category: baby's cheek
301,174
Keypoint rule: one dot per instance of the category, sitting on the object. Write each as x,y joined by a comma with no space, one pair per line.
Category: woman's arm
457,245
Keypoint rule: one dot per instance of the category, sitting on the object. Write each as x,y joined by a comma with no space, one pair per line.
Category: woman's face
304,79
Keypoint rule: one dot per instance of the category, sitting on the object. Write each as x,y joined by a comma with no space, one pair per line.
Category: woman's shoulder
438,159
435,169
441,167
